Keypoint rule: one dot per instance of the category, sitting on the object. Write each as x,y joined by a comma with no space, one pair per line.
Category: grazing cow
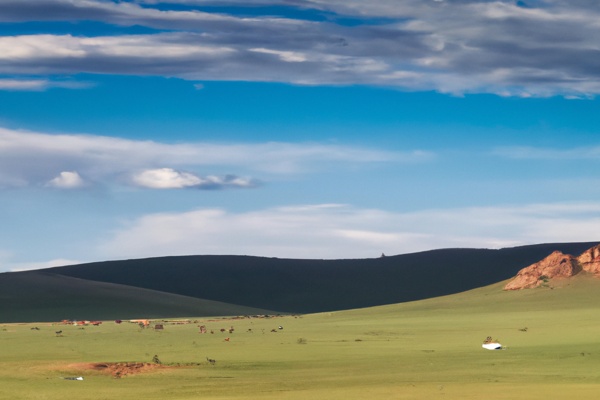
58,333
222,330
227,339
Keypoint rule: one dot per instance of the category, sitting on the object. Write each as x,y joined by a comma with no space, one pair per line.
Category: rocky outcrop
556,265
590,260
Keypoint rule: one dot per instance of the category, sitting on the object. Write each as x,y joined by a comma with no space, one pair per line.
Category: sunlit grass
414,350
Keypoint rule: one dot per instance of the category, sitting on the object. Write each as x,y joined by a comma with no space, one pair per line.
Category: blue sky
300,129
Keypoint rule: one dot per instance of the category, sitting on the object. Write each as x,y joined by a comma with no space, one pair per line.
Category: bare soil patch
120,369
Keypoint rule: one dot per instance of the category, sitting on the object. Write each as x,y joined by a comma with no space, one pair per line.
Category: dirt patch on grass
119,369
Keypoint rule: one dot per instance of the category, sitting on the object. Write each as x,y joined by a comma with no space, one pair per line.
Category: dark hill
305,286
40,296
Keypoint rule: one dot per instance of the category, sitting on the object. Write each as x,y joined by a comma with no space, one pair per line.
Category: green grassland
418,350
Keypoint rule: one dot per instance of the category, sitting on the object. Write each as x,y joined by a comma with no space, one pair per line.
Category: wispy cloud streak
37,158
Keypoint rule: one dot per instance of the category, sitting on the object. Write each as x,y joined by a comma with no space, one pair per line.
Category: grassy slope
417,350
308,286
38,296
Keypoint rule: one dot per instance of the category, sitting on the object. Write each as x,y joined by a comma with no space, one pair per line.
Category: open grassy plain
419,350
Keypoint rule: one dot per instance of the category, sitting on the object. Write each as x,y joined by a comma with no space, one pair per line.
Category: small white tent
492,346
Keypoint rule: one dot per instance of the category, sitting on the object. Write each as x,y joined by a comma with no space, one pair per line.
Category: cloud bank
341,231
529,48
335,231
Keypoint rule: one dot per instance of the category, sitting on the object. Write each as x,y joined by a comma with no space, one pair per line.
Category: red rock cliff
590,260
556,265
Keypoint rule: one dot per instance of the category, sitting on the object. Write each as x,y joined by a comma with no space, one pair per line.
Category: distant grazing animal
227,339
143,323
489,340
210,360
58,333
222,330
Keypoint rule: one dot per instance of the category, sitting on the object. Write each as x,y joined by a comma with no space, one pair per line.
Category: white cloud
36,158
23,84
39,84
168,178
15,49
67,180
287,56
165,178
339,231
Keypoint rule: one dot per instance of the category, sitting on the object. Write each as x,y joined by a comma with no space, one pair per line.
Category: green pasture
419,350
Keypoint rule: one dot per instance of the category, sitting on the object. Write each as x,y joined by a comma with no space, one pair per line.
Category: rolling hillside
39,296
237,285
